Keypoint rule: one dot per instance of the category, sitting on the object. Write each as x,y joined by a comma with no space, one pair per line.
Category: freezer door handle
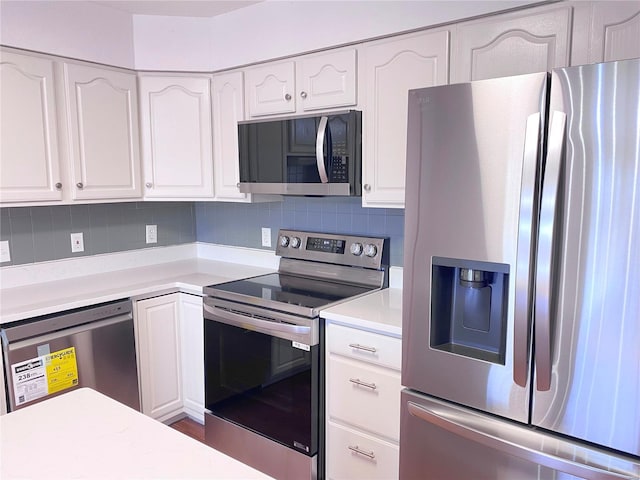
526,227
467,426
547,233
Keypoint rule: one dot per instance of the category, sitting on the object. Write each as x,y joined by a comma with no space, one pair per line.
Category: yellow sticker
62,369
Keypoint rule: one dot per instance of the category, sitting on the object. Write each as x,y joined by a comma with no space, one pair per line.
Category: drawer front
365,396
366,346
352,455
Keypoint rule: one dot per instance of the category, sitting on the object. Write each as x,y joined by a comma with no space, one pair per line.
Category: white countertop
380,312
49,297
86,435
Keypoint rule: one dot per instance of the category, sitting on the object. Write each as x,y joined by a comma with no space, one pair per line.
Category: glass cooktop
291,289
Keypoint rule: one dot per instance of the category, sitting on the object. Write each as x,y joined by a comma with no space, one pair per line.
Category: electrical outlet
5,253
77,242
266,237
152,234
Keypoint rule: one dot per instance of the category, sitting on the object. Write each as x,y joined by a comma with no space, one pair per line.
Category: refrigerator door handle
546,239
468,428
526,224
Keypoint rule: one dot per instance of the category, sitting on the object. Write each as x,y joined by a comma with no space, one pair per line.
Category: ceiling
177,8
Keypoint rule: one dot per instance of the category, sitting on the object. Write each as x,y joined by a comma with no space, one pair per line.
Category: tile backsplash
240,224
37,234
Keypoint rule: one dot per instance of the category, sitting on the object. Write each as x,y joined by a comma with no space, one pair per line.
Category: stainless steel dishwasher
85,347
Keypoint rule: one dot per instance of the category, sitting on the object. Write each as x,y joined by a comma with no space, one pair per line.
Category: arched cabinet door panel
175,119
102,116
389,69
29,158
534,40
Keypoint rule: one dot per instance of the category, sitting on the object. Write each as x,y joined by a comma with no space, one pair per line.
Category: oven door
262,372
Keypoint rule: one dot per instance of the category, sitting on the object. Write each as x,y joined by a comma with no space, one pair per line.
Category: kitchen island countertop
85,435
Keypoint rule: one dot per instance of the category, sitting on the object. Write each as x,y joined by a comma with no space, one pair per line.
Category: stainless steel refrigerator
521,308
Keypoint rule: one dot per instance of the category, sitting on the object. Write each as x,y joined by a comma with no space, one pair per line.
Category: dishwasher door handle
48,337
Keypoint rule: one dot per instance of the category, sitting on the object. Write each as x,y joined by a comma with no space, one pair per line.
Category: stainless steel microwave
310,155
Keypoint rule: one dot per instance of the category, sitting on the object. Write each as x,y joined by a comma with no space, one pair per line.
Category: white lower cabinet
363,404
356,455
169,338
192,340
159,356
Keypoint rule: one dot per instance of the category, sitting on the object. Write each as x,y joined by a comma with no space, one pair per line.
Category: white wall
263,31
279,28
73,29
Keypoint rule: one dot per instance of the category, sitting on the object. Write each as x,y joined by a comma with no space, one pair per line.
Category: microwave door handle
522,317
547,231
322,128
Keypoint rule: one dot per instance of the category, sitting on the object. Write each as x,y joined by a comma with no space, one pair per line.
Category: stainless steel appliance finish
86,347
306,155
264,359
547,181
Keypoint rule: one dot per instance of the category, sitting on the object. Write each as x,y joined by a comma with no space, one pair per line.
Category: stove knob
284,241
370,250
356,249
295,242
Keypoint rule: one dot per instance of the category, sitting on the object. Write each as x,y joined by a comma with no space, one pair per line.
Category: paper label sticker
301,346
62,369
38,377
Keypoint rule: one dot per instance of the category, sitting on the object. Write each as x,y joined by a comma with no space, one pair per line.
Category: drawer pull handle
363,347
355,448
357,381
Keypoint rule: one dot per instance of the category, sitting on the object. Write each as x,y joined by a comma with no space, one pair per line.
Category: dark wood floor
190,427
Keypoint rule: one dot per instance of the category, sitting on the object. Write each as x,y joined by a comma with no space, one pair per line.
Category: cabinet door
102,113
533,40
192,340
271,89
159,356
613,32
228,110
327,80
389,69
29,148
175,117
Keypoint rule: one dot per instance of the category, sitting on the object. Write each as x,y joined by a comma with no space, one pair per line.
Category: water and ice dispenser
469,308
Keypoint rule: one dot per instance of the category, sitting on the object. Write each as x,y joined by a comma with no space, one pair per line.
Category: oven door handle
252,323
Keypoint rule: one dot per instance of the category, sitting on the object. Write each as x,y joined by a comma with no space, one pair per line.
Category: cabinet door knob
148,185
303,94
287,97
80,185
367,187
58,186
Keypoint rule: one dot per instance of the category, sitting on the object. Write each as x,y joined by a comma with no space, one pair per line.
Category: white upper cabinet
308,83
175,119
605,31
29,163
388,70
102,116
528,41
228,109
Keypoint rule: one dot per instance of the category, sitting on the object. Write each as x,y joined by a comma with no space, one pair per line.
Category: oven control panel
350,250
